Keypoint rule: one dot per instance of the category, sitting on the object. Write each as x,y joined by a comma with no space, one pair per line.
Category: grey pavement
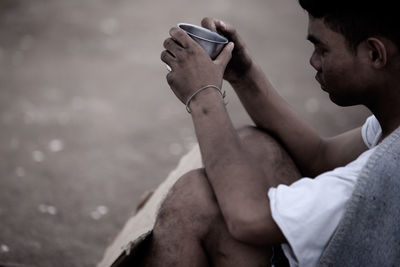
88,122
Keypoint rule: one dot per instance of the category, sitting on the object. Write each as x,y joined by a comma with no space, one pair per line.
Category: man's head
357,20
356,46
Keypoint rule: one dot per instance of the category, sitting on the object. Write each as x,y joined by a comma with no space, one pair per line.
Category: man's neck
386,108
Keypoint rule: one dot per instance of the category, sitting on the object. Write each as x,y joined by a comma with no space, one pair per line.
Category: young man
250,195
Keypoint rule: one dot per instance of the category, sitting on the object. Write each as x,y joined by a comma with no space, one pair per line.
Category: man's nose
315,61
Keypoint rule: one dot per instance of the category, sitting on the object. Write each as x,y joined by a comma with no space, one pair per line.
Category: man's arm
312,153
238,182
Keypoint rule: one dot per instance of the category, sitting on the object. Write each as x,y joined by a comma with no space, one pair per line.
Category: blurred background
88,123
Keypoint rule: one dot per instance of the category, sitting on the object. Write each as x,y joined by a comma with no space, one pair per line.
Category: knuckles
164,55
173,31
177,34
166,41
191,51
174,48
206,22
209,23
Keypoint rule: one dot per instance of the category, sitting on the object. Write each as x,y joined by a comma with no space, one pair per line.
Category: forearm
271,112
237,181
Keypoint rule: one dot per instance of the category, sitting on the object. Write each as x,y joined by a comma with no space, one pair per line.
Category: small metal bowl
211,41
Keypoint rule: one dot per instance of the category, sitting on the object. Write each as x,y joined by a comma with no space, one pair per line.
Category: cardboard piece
140,226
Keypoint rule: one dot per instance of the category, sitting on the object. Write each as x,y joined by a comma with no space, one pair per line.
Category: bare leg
190,230
182,220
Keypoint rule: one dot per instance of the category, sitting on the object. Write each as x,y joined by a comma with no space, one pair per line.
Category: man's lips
319,80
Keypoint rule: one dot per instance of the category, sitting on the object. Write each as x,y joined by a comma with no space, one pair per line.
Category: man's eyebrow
314,39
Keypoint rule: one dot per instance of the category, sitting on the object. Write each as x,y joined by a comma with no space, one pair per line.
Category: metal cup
211,41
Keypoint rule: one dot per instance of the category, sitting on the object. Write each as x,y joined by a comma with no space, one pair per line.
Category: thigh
191,219
190,216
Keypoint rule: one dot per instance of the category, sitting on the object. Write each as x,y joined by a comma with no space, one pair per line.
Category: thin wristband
198,91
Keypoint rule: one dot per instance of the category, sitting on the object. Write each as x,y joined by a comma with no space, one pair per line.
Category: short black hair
358,20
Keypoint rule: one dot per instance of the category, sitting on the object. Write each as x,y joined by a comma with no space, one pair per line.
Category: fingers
180,37
217,25
223,28
209,23
225,56
173,47
168,58
220,26
179,42
228,31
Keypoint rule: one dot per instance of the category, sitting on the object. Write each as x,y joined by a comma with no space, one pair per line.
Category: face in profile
339,69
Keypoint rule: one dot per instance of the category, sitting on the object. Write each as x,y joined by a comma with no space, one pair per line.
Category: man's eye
320,50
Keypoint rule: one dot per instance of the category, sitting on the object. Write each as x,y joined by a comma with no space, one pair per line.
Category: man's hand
192,68
241,61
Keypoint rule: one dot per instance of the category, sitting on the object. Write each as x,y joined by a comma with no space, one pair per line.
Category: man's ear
377,52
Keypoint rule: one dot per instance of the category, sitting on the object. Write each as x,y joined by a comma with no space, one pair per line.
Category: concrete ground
88,122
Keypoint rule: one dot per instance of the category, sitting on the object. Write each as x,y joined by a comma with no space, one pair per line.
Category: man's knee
269,153
190,203
260,144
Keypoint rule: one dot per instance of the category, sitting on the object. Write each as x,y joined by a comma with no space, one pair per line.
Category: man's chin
342,101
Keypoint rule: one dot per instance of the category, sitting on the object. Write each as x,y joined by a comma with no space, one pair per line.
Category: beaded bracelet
201,89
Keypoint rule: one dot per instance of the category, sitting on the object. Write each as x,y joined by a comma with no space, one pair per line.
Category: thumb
225,56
